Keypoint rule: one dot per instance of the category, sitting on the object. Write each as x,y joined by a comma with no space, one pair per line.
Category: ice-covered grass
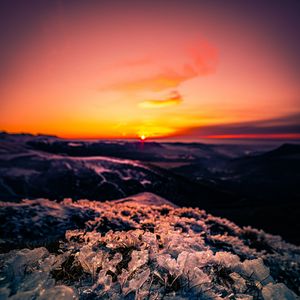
141,248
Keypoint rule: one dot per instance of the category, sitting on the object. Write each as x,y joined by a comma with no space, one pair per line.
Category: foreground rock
141,248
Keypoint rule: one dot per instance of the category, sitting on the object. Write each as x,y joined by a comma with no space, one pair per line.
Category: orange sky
118,71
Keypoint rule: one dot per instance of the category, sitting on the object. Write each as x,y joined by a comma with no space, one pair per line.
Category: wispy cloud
165,71
285,126
157,82
174,98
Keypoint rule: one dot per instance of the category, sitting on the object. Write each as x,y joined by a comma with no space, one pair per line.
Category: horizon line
225,137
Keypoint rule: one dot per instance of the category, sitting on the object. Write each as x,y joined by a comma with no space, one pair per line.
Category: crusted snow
144,199
141,247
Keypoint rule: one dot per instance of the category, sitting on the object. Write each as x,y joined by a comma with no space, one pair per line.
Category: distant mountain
269,176
29,172
274,174
267,185
285,150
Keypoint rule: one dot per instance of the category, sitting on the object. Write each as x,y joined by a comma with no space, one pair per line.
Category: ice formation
132,250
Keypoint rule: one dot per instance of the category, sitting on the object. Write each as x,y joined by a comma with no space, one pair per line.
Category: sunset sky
159,69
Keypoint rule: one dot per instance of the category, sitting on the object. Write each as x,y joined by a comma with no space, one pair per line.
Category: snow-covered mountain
28,172
141,247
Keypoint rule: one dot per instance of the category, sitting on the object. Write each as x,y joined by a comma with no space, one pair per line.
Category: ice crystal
130,250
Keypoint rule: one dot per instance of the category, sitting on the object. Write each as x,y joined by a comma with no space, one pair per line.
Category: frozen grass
133,250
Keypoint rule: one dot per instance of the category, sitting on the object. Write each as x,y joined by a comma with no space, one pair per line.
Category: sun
142,137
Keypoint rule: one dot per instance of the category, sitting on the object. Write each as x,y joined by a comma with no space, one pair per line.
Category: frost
256,270
132,250
227,259
278,291
243,297
90,260
197,278
239,283
58,292
138,258
168,263
136,283
23,276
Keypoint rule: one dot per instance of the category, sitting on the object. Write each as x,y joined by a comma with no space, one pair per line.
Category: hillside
267,185
128,249
31,172
223,179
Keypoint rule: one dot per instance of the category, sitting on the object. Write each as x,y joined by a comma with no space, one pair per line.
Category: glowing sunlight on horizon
94,71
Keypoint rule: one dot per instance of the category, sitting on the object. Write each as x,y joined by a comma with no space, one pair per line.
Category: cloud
204,58
165,71
155,83
174,98
133,62
286,126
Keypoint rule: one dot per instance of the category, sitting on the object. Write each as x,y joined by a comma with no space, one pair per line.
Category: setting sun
88,76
